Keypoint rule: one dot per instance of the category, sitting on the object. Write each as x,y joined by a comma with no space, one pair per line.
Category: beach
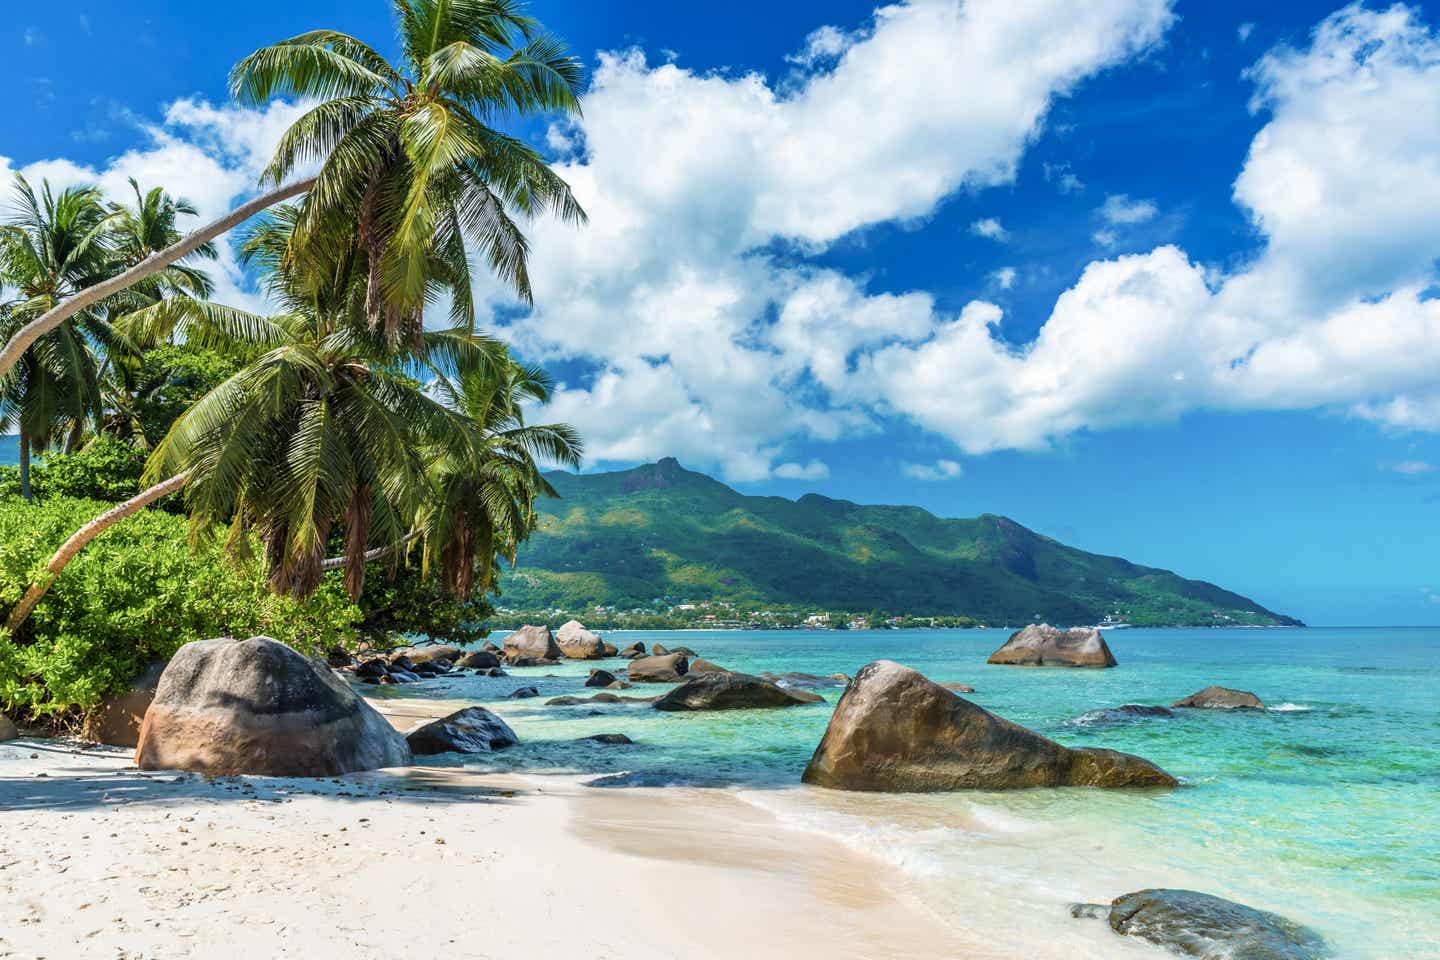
98,859
698,840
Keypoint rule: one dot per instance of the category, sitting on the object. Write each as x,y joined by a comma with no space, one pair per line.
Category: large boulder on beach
895,731
1221,698
116,721
472,730
531,644
669,668
478,660
577,643
1211,928
429,654
1041,645
729,691
229,707
8,730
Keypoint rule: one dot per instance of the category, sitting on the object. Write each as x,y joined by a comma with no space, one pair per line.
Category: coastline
101,859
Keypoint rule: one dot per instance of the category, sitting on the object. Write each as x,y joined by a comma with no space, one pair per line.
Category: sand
98,859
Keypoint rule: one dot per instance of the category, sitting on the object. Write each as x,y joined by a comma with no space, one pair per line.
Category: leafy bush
134,595
104,469
407,606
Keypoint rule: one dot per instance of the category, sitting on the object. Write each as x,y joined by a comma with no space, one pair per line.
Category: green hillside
659,535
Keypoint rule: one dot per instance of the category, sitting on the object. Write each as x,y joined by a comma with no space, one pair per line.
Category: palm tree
483,506
51,247
412,167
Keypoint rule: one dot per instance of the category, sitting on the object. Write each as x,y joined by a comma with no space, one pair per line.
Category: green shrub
403,606
134,595
104,469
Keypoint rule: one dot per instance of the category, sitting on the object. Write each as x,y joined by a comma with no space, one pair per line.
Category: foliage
164,383
410,168
657,536
103,469
135,595
407,604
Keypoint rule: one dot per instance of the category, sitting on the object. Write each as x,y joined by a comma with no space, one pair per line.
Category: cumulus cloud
814,470
939,470
1004,278
210,155
991,229
1343,183
701,342
1118,209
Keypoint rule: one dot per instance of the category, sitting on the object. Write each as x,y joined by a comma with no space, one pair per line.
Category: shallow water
1326,807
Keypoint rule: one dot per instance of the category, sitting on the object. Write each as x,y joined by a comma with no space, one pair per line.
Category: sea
1325,807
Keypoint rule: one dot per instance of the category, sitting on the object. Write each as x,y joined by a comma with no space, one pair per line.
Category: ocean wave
912,851
1289,708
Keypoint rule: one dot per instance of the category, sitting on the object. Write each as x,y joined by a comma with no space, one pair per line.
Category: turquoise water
1326,807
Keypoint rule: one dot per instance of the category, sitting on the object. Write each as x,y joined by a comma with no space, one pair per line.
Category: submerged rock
577,643
659,668
524,693
1090,911
806,680
730,691
229,707
958,687
1211,928
1041,645
478,660
1125,713
531,643
599,678
472,730
117,720
610,739
1220,698
893,730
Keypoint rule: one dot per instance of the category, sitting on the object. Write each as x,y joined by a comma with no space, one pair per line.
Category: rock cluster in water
1041,645
228,707
893,730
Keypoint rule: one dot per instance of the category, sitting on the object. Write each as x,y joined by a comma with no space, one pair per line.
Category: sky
1156,278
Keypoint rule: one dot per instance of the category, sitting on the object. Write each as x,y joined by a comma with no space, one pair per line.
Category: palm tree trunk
24,465
84,535
152,264
336,563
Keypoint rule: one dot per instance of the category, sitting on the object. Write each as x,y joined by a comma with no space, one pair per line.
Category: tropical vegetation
344,429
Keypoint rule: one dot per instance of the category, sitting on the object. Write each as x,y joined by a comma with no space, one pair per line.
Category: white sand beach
98,859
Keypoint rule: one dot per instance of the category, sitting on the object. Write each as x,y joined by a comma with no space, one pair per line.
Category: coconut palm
412,166
50,247
483,505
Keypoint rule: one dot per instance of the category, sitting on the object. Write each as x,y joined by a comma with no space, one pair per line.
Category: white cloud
210,155
1061,175
1105,238
1343,183
814,470
1118,209
1244,30
1411,468
704,345
1004,278
825,43
991,229
939,470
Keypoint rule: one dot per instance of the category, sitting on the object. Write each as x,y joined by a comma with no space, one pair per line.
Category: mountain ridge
660,534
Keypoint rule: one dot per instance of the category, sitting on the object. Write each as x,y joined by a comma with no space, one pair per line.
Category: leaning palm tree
411,164
50,247
410,161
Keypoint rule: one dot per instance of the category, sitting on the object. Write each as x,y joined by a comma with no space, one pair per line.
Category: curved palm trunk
338,563
152,264
84,535
24,465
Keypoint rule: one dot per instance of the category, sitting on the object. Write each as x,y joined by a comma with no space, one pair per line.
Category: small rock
610,739
1041,645
1220,698
524,693
600,678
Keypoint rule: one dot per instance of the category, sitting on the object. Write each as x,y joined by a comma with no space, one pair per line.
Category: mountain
663,533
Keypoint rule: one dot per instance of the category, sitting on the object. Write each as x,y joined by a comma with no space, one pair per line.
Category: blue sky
1155,278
